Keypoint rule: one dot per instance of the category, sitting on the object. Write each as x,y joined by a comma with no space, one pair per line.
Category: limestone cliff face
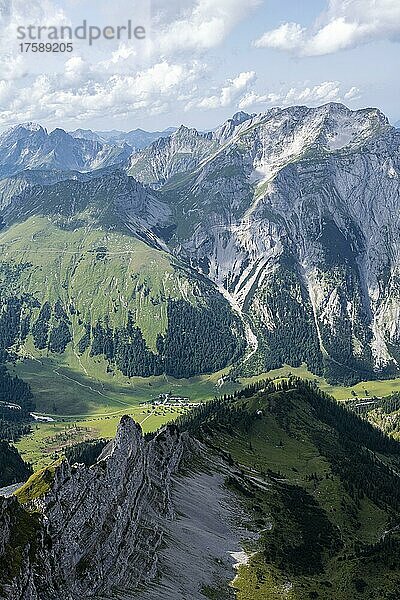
166,157
296,218
106,520
26,562
101,527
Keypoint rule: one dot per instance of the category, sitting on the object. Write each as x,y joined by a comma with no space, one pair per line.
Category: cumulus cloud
117,79
120,80
345,24
53,99
15,13
327,91
12,67
288,36
75,69
228,94
197,25
353,94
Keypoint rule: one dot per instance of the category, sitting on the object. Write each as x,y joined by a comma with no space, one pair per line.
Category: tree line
199,339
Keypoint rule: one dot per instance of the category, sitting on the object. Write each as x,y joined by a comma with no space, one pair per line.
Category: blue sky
204,60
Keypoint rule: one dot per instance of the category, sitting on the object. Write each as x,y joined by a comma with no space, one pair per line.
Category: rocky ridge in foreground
101,531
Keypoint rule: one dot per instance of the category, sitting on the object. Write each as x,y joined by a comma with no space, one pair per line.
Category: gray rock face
106,521
30,146
231,127
101,526
182,151
25,555
296,219
129,523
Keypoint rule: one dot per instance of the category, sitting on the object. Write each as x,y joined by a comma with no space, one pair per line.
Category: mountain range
261,480
137,139
279,230
30,146
273,239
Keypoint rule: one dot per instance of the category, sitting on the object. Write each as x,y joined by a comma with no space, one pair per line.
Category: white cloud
288,36
345,24
327,91
5,92
15,65
75,69
228,94
121,81
55,100
121,59
117,79
12,67
352,94
201,25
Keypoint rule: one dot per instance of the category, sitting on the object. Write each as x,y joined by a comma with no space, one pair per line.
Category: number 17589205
46,47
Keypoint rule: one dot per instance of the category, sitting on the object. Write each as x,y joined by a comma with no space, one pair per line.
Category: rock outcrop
152,518
101,527
296,219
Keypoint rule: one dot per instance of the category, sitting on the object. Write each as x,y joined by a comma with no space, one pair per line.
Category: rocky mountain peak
85,134
341,127
182,151
106,521
240,117
29,126
128,439
30,146
228,129
291,184
274,139
185,133
23,131
60,134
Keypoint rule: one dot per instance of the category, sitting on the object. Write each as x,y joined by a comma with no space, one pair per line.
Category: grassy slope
65,265
292,453
64,390
95,402
47,441
376,387
38,484
63,382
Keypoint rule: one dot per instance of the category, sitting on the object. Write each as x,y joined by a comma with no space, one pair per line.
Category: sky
200,62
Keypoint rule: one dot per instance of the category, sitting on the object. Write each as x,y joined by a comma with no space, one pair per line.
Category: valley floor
88,404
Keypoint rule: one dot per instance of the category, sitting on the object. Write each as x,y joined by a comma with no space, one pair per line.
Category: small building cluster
169,398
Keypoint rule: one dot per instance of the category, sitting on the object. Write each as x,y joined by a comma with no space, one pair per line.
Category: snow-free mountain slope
263,478
30,146
292,214
88,270
178,153
137,138
296,217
